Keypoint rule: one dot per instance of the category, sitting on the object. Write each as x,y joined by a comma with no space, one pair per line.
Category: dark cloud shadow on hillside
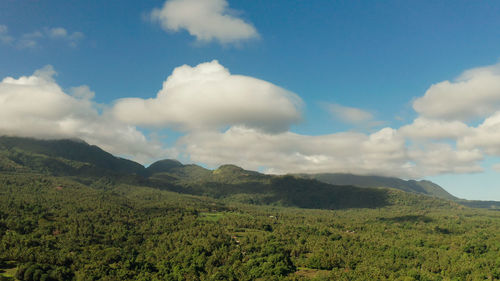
408,218
287,191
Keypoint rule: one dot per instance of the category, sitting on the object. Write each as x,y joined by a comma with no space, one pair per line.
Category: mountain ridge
415,186
77,158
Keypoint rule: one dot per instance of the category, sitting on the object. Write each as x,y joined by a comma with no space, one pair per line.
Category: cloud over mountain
36,106
381,153
207,20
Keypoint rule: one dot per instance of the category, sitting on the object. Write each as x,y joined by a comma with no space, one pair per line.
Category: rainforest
71,211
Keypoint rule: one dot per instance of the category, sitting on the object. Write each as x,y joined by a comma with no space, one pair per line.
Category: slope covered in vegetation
55,228
87,215
421,187
78,159
61,157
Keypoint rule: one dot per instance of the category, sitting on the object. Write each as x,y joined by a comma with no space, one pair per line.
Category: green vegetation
61,221
59,229
420,187
61,157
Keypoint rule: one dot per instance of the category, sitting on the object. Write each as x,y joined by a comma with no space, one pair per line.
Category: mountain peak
164,166
229,167
64,156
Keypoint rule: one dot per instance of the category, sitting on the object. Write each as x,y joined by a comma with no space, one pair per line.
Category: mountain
174,171
235,184
61,157
413,186
88,163
492,205
78,159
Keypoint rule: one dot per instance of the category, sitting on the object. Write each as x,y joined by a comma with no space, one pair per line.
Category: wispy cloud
29,40
207,20
5,38
61,33
34,39
352,115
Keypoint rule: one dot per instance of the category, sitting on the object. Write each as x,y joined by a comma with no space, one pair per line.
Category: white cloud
82,92
486,136
474,94
207,20
29,40
441,158
57,32
350,114
36,106
207,97
431,129
381,153
32,39
62,34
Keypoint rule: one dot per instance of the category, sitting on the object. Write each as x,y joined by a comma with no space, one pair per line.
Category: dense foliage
55,228
70,211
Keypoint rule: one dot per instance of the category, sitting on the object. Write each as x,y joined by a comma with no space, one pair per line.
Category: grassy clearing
310,273
213,217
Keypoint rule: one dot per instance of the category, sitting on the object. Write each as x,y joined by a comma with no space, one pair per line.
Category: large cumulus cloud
208,96
474,94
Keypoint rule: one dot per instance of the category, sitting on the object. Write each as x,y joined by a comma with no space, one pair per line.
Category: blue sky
358,69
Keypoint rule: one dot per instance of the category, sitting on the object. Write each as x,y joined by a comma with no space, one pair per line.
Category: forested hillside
54,228
421,187
88,215
61,157
70,211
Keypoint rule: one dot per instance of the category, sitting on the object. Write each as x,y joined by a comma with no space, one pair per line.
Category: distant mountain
420,187
61,157
172,171
492,205
234,184
80,160
164,166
